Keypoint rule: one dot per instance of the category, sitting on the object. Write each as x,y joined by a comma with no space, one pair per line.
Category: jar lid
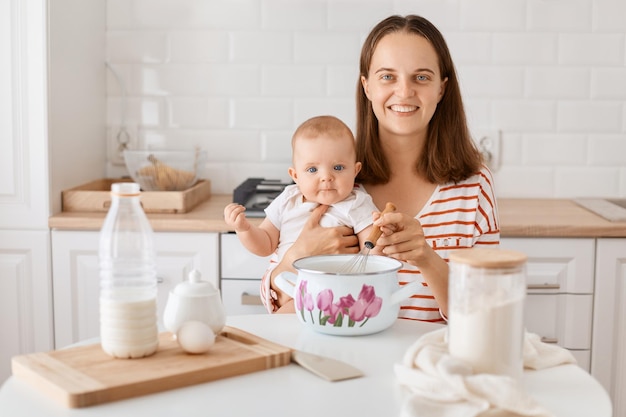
195,287
488,258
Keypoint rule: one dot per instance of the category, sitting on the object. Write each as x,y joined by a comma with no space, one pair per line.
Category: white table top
567,391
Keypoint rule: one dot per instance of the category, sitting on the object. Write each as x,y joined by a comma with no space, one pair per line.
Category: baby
324,168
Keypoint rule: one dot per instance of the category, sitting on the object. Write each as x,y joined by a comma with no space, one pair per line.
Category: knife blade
327,368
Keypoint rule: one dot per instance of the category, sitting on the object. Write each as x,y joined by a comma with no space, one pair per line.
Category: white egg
195,337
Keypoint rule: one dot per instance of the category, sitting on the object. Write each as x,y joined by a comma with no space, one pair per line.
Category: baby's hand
235,216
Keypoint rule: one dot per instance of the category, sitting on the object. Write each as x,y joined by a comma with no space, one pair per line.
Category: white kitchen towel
443,386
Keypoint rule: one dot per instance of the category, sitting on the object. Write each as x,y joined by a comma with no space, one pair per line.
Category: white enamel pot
347,304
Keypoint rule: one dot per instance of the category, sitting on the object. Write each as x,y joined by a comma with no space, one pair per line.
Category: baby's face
325,168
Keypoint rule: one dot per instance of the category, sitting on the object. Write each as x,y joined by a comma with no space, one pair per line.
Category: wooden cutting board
85,375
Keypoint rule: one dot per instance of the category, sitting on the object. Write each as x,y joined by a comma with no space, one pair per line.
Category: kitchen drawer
556,265
241,296
239,263
583,358
564,319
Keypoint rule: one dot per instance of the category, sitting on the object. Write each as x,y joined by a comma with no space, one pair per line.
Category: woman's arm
313,240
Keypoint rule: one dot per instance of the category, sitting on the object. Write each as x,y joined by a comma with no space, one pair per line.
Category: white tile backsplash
559,15
493,15
607,150
591,49
524,115
554,150
608,83
548,82
589,116
237,77
590,182
525,49
199,46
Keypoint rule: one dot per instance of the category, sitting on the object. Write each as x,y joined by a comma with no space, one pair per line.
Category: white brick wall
236,77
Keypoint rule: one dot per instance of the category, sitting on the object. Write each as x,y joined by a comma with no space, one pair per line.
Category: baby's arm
261,240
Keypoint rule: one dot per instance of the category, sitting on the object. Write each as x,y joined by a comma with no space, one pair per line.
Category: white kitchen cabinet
560,280
240,280
76,279
608,359
25,295
52,107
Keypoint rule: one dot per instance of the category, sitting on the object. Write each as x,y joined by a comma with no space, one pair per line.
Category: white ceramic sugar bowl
195,300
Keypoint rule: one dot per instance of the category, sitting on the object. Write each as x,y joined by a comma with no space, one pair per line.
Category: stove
255,194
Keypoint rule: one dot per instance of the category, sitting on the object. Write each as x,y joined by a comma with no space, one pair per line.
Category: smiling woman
414,145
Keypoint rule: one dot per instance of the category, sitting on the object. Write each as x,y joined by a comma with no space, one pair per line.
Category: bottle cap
125,188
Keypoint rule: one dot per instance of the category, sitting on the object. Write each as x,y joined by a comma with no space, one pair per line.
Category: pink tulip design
304,300
367,305
360,310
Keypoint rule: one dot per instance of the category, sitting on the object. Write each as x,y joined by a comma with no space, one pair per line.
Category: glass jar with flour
487,288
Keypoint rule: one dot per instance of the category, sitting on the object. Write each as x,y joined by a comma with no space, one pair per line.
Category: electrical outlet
489,144
120,138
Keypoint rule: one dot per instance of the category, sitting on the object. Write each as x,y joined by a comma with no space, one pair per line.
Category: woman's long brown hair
449,154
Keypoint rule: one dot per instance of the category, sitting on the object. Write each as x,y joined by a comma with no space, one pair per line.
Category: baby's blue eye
312,170
339,167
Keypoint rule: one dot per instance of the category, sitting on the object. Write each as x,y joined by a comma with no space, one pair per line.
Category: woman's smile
399,108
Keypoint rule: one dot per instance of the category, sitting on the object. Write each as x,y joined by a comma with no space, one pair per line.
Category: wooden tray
84,375
95,196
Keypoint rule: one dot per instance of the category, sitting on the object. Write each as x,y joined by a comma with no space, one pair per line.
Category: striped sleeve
459,215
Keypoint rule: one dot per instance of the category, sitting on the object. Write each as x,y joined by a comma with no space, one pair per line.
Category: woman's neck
402,153
407,188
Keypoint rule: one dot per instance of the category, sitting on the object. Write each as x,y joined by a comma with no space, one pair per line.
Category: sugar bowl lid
195,286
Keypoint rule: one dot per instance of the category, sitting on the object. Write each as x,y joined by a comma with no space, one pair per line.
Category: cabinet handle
160,280
543,286
549,339
250,299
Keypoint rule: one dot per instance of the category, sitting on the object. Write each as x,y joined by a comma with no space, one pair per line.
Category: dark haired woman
416,150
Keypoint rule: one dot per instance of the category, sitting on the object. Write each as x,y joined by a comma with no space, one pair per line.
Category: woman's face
404,84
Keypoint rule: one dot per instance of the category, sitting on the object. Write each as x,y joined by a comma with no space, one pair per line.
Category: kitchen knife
327,368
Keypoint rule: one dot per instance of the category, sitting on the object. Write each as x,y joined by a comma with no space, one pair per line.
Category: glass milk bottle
128,285
487,288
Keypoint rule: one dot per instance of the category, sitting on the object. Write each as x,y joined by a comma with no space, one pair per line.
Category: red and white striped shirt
458,215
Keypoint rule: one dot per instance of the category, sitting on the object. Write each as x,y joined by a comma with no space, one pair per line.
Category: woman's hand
403,239
318,240
315,240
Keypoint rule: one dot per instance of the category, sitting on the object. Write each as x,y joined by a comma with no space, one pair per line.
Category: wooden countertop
518,218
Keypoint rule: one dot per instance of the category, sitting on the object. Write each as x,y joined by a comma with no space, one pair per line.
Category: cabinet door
23,145
237,262
241,296
240,280
608,359
25,295
560,281
76,277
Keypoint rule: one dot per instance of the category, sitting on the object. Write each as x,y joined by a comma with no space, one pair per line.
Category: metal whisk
359,262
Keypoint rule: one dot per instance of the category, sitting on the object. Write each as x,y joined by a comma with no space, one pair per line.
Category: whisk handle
370,242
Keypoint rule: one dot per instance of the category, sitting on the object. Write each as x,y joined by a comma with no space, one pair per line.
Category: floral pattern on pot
345,309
